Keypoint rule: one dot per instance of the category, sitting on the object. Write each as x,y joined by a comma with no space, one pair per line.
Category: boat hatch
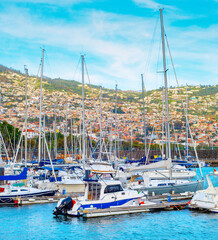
94,191
113,188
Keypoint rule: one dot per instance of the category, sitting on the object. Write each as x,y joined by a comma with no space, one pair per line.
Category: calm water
37,222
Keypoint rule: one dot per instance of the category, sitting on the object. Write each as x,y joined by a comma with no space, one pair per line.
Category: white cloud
116,46
151,4
51,2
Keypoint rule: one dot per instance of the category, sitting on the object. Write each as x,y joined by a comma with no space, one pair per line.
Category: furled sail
166,164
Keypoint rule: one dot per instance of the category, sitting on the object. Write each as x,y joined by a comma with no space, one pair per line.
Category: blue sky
120,39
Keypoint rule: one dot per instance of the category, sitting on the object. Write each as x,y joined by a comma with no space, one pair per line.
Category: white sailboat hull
170,188
163,174
206,199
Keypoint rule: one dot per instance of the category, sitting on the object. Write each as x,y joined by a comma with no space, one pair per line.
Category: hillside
62,96
199,94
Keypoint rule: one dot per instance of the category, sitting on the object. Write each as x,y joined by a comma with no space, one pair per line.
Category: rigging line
10,142
189,128
49,65
77,67
174,72
87,73
151,47
40,64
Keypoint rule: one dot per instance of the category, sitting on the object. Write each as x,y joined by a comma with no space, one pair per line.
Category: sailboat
8,192
206,199
167,185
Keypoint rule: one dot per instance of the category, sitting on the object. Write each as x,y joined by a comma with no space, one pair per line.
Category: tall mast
44,136
131,138
71,134
166,88
83,110
55,134
186,124
100,151
40,114
115,147
65,136
143,98
26,73
163,120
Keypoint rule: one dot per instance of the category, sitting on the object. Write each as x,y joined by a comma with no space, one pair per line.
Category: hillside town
66,104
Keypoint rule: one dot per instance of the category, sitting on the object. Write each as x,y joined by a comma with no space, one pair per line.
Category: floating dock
91,213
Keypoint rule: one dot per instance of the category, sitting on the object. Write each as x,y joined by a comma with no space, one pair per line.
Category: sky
120,40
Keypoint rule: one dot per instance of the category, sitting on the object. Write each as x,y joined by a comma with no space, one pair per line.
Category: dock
172,197
93,212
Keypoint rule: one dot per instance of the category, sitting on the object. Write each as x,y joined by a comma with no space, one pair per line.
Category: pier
93,212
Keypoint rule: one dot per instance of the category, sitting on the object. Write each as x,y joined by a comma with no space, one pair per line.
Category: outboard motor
65,205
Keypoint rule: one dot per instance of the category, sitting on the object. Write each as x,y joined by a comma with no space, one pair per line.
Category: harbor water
37,222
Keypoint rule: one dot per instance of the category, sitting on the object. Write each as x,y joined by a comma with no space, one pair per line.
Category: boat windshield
113,188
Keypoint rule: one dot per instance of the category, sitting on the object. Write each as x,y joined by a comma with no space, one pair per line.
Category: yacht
100,194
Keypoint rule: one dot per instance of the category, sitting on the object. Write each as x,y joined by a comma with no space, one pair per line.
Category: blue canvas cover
20,176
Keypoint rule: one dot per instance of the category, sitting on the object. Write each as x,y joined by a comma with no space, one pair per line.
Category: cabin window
113,188
94,191
23,190
170,184
13,190
161,184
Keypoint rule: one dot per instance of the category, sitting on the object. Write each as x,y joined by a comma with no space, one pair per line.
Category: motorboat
100,194
9,192
206,199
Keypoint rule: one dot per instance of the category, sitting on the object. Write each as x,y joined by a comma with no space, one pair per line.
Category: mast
131,140
26,73
71,133
40,114
166,94
143,98
55,134
115,147
163,119
65,136
100,150
186,124
83,110
44,136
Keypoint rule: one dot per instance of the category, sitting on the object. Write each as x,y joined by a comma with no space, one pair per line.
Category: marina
125,145
37,222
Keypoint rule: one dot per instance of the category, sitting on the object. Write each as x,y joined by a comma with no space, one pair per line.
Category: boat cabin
96,190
